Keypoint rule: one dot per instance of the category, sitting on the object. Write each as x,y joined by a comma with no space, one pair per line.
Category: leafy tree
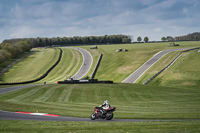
139,39
146,39
4,55
163,39
169,38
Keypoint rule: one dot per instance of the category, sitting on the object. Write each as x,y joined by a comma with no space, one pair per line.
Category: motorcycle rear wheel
93,116
109,116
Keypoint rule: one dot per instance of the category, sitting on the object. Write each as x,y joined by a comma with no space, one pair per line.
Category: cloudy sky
59,18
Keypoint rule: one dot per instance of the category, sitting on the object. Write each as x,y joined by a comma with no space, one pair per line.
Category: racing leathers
104,107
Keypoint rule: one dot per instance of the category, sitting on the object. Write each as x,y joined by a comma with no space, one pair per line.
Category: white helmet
106,102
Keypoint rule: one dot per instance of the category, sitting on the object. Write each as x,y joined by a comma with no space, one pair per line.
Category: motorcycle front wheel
93,116
109,116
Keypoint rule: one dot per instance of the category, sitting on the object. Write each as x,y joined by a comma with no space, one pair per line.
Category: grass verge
100,127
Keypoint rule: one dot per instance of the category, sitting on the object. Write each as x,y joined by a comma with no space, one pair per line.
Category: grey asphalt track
87,63
4,115
9,89
141,70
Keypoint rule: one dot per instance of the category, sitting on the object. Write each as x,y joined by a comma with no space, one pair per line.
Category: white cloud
158,29
49,18
17,12
21,32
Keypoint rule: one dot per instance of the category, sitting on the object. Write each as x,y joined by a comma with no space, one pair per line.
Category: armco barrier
37,79
149,80
90,81
95,70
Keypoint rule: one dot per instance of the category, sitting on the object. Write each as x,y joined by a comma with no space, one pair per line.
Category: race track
141,70
5,115
87,63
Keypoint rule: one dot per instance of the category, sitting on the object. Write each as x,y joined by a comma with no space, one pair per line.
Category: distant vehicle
94,47
173,44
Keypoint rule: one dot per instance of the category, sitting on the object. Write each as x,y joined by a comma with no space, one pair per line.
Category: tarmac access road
86,65
141,70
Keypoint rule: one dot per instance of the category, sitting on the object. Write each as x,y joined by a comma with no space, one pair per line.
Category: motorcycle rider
104,107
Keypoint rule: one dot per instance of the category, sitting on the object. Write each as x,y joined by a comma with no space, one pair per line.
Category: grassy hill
31,67
117,66
69,65
132,101
114,66
184,72
38,63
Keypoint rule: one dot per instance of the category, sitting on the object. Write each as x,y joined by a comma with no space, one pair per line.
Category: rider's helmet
106,102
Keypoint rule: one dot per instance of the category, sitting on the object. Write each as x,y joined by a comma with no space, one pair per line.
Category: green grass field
99,127
132,101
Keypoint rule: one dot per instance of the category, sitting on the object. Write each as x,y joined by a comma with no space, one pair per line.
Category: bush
4,55
12,50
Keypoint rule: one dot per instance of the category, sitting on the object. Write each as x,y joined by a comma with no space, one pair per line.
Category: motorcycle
103,114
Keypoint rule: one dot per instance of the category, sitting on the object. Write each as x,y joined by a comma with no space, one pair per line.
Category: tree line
190,37
77,40
12,49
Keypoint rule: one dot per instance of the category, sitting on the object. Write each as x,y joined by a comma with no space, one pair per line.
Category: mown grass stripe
56,93
49,92
143,101
22,97
35,95
78,62
72,62
10,95
60,71
68,66
64,97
